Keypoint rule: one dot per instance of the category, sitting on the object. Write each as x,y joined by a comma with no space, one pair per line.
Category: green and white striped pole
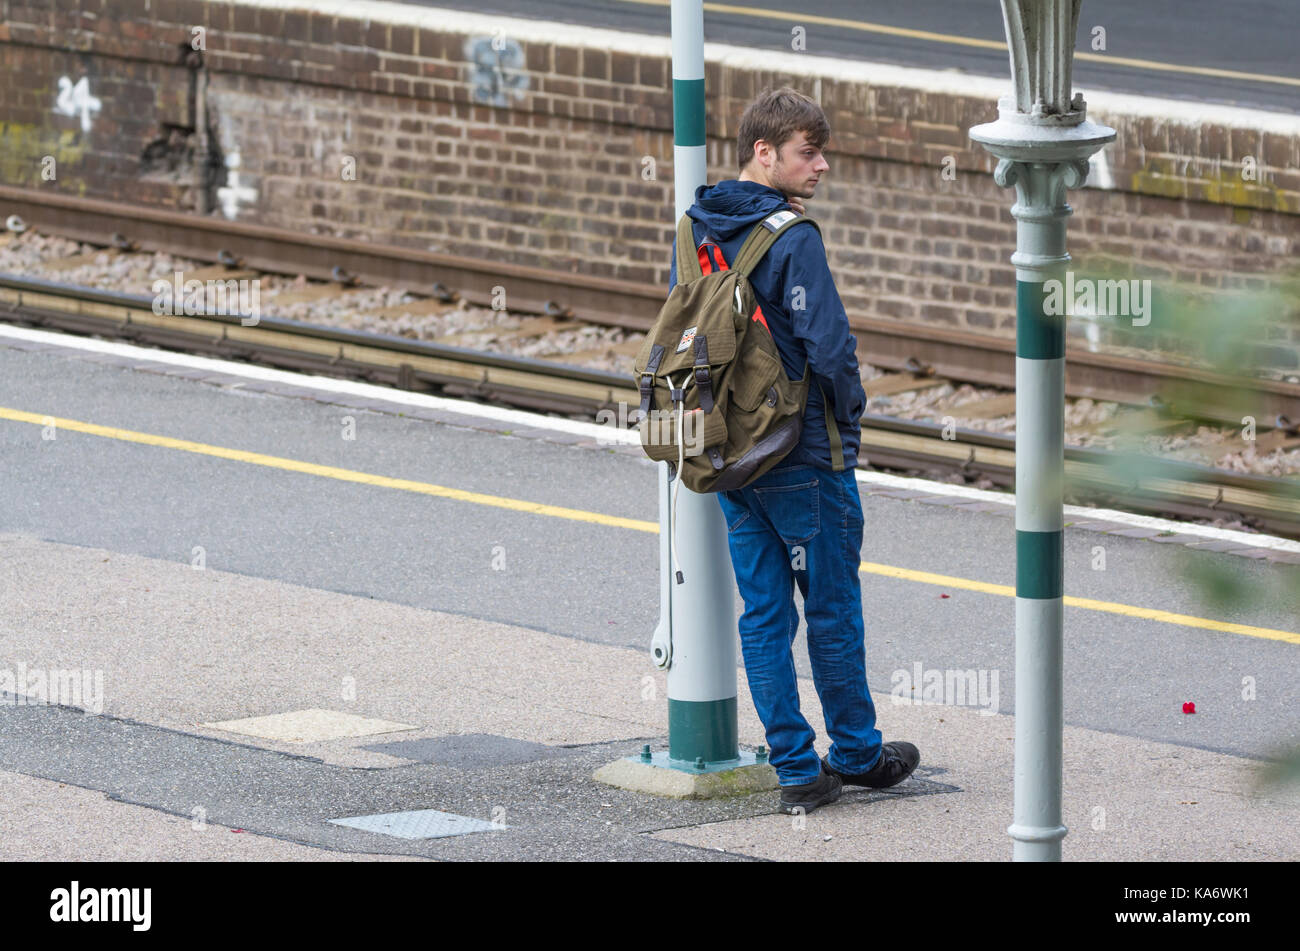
699,643
1042,140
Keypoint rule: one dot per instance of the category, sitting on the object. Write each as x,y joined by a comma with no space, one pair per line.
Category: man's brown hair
775,116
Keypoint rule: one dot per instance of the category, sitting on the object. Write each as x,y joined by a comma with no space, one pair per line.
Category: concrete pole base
660,776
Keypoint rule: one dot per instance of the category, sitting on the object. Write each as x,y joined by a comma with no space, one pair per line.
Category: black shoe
897,760
808,796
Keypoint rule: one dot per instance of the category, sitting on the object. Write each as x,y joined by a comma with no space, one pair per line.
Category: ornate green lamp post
1042,139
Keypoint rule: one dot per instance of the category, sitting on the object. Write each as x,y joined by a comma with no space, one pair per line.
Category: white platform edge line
594,430
600,433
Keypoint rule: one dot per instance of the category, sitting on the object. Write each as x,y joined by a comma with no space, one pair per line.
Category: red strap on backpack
707,252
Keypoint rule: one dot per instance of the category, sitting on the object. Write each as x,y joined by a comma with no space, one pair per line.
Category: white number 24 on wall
76,100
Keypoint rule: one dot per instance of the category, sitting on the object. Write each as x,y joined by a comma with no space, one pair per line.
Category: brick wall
84,123
379,124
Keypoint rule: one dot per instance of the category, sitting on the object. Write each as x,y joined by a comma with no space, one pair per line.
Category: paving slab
308,726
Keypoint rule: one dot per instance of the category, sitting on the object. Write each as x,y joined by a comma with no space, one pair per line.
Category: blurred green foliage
1236,334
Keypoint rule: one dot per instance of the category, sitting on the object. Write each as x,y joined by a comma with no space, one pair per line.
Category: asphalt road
1174,39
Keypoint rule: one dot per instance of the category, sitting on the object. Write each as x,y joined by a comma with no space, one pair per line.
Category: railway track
1160,487
394,361
937,353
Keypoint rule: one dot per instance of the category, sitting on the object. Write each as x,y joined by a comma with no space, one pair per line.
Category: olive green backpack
715,400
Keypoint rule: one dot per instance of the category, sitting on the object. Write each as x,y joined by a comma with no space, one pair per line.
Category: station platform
284,648
537,713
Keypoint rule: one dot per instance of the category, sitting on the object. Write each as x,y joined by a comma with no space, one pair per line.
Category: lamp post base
677,779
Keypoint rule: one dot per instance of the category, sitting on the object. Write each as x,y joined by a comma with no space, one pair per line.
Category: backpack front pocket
700,430
754,378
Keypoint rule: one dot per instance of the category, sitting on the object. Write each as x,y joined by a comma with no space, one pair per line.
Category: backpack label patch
774,221
687,336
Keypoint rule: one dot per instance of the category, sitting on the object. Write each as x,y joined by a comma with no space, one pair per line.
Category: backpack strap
833,433
646,385
762,236
688,262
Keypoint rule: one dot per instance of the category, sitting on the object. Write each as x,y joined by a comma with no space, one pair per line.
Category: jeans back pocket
792,509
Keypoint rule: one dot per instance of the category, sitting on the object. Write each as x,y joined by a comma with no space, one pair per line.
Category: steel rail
1142,483
408,364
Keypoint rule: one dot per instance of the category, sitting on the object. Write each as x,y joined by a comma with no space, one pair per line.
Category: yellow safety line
580,515
1111,607
329,472
954,40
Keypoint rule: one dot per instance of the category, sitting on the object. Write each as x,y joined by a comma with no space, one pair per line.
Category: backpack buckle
703,383
647,395
647,381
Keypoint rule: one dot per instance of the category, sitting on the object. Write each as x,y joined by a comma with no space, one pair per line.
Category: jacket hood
732,207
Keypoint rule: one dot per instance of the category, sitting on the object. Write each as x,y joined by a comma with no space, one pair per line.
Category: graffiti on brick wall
496,69
75,100
233,193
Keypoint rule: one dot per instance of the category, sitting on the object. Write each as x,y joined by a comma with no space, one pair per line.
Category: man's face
798,167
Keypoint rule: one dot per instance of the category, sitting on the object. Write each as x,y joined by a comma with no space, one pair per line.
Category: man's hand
796,204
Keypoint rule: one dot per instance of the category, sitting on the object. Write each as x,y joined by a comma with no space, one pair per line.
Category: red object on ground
945,596
1189,707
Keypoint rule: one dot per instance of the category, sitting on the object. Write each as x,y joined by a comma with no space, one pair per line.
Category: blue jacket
819,331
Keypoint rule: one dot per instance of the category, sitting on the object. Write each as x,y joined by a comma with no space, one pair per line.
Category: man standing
801,522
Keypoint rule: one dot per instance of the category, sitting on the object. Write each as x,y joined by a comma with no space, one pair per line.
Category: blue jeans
799,524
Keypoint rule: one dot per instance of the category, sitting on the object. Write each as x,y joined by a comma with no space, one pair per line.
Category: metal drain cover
420,824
